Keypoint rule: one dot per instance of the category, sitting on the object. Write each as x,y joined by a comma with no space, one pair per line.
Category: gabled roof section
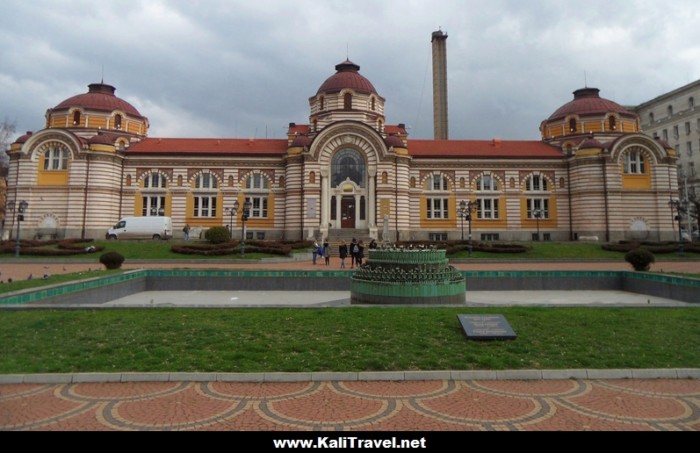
195,146
484,149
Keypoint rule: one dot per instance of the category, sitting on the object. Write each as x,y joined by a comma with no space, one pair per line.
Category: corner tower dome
98,109
100,97
586,115
587,101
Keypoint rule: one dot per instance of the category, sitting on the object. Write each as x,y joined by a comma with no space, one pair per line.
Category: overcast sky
246,68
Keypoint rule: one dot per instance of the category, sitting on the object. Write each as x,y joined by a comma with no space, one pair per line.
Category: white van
141,228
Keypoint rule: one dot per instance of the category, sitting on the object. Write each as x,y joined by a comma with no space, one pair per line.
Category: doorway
347,212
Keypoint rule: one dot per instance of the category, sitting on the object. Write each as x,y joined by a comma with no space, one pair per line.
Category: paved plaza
516,400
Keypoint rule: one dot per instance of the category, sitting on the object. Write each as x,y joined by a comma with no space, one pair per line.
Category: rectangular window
258,208
437,208
489,237
664,134
487,208
205,206
675,132
689,148
687,128
537,205
437,236
153,206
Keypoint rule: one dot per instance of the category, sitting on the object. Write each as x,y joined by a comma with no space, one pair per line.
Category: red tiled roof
209,146
483,149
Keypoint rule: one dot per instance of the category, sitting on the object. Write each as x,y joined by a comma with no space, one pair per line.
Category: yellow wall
51,177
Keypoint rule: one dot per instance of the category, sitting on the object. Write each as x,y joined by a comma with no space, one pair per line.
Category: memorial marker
486,327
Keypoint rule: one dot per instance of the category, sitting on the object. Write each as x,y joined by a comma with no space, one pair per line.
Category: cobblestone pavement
657,404
431,405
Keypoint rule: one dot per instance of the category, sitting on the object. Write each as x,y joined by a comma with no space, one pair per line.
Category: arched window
322,103
230,181
385,177
348,164
437,182
691,103
572,125
205,181
257,181
128,180
669,110
651,117
179,181
536,183
347,101
56,157
154,181
486,183
76,118
612,124
117,121
373,106
462,183
413,182
312,177
634,162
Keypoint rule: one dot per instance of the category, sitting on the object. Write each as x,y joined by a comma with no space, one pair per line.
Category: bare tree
7,130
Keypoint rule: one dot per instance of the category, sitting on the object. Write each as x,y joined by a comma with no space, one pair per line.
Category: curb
323,376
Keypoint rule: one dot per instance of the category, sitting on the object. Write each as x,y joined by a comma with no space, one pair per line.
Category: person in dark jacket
360,253
343,253
327,253
353,252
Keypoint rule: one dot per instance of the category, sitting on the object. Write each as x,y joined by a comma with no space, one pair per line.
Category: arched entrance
348,190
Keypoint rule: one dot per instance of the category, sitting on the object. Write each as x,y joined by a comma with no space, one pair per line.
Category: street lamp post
245,212
231,212
20,218
676,205
11,205
537,214
465,212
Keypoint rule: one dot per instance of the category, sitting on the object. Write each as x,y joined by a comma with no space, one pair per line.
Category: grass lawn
342,339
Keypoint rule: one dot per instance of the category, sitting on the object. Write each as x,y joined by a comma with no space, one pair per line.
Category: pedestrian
360,253
353,252
186,230
372,244
315,251
343,253
327,253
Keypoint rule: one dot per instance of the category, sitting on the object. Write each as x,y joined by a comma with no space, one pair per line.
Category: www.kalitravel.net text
349,442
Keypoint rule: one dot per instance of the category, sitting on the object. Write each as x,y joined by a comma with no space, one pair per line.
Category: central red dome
348,76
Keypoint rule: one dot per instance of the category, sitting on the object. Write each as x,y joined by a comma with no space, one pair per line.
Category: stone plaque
486,327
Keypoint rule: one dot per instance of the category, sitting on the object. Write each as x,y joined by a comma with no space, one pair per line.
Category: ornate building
347,172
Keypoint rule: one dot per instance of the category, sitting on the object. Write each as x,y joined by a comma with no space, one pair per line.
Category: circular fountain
401,275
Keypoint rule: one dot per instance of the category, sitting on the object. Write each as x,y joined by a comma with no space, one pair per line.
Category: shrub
112,260
640,259
217,235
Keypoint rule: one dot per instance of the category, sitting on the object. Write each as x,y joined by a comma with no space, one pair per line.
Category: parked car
141,228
